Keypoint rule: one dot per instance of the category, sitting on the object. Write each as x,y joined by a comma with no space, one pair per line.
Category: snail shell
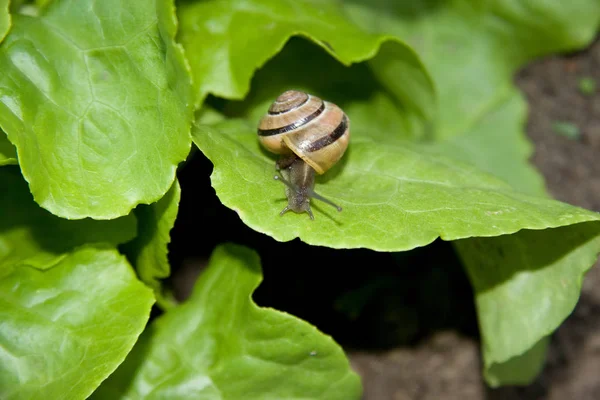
317,131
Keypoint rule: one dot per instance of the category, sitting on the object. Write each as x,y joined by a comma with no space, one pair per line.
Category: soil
400,354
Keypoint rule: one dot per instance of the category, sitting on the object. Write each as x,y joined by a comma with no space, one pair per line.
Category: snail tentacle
311,193
317,196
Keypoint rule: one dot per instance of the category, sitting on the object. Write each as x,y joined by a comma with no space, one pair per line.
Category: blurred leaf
14,5
64,330
520,370
526,284
148,251
500,130
208,115
4,18
472,50
220,345
226,41
42,3
31,235
96,99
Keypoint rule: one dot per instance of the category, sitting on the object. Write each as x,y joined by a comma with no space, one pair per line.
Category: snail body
311,136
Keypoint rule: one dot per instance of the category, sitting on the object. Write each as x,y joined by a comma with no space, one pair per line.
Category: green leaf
15,5
4,19
220,345
395,196
526,284
521,369
96,99
407,194
356,89
472,50
480,121
31,235
8,154
64,330
496,145
227,41
42,3
148,251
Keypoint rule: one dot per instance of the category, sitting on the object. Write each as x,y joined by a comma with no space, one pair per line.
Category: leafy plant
100,102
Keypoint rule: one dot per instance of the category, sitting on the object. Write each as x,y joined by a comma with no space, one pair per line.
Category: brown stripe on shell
288,101
301,140
332,137
277,121
295,125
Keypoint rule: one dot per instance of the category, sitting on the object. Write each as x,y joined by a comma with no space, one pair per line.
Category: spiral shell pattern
315,130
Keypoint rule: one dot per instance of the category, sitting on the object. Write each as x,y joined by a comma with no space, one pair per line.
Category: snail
310,135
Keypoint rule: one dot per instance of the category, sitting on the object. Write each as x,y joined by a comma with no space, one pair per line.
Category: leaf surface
472,50
520,370
96,99
395,196
525,285
33,236
480,120
220,345
4,19
148,251
65,329
226,41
